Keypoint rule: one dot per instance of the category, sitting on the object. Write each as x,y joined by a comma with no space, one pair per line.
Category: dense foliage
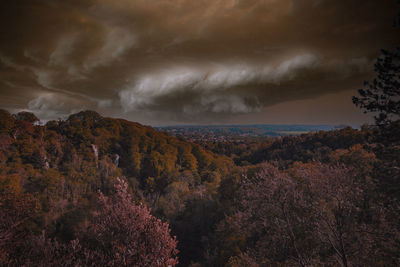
64,164
326,198
311,215
120,233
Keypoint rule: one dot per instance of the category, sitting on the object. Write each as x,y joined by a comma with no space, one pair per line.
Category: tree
311,215
382,95
7,122
274,218
43,251
125,234
15,210
120,234
26,116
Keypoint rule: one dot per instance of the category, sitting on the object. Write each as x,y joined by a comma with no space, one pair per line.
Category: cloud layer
177,61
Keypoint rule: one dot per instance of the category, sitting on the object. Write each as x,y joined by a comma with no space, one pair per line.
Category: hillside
65,163
86,146
86,179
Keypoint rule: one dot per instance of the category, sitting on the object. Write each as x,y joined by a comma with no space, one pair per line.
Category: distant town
238,133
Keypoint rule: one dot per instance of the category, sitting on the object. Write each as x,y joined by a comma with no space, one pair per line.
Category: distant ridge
250,129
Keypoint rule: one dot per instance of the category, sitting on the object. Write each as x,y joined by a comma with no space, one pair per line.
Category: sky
163,62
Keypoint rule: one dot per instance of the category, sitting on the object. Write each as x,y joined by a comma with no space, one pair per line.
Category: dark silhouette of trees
382,95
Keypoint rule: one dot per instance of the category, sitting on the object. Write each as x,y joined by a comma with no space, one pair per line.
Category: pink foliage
312,214
15,210
120,234
126,234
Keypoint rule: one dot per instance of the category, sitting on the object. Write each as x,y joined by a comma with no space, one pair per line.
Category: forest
96,191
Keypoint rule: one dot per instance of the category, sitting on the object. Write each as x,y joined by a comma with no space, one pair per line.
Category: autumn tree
312,214
271,217
339,209
125,234
44,251
15,211
26,116
7,122
121,233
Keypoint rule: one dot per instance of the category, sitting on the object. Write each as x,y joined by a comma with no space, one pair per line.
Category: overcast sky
163,62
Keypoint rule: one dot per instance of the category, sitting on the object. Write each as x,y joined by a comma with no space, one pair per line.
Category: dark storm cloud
182,60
